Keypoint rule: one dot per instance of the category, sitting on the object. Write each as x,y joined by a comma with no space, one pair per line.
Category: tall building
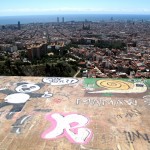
57,19
19,26
37,51
63,20
86,27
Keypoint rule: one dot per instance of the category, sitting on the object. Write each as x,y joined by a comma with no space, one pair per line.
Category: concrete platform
74,114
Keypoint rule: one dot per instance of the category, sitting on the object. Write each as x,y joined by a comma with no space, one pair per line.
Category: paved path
77,73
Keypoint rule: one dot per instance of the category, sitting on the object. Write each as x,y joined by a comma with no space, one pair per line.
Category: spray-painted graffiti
147,99
17,126
72,126
129,114
132,136
103,102
18,98
27,88
43,110
125,146
57,100
60,81
119,86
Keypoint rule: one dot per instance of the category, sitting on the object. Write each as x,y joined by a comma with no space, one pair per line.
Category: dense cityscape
75,75
113,49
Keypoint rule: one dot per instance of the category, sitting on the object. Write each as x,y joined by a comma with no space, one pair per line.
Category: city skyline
48,7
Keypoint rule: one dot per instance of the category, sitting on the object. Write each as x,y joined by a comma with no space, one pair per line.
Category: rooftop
41,113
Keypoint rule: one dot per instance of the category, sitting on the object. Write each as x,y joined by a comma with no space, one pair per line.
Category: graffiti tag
132,136
103,102
60,81
72,126
147,99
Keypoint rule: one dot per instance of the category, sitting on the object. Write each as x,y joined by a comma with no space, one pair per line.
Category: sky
48,7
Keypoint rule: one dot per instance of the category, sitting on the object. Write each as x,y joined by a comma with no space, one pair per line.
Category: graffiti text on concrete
72,126
103,102
60,81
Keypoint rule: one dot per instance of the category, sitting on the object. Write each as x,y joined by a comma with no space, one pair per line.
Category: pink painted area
87,140
57,100
72,131
74,124
53,125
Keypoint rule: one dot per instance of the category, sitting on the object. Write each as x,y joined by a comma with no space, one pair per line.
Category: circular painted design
17,98
27,88
115,84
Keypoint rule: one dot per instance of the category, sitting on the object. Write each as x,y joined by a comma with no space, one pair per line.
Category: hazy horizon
71,17
50,7
24,15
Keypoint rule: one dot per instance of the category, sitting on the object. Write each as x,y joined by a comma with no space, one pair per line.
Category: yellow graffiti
119,147
125,146
131,146
119,86
115,84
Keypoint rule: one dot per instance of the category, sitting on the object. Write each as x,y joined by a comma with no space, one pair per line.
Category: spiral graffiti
115,84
